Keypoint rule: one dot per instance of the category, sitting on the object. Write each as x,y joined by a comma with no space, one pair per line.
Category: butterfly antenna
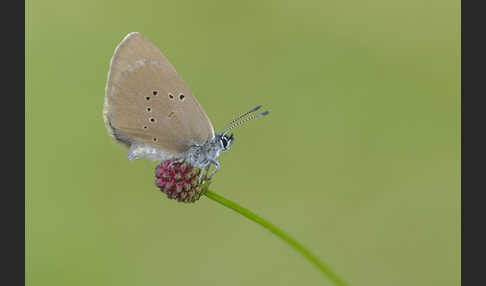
246,120
241,116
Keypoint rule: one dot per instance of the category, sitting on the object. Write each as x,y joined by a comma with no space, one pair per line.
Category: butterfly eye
224,142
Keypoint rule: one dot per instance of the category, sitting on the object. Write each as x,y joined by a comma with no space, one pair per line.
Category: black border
473,79
13,142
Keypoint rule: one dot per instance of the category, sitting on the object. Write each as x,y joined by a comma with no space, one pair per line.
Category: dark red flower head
179,181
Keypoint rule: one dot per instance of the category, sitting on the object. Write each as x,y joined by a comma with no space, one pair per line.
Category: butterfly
149,109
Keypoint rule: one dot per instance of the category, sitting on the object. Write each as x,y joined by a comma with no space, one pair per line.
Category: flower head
180,181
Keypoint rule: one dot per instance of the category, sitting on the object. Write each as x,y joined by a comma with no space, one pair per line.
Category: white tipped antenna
228,129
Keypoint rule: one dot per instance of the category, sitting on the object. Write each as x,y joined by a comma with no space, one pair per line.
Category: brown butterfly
149,109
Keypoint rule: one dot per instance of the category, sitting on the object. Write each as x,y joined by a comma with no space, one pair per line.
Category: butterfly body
198,155
205,155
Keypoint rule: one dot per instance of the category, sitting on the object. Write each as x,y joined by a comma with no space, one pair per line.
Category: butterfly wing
148,103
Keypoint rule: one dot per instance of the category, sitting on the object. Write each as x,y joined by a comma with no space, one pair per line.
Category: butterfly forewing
146,100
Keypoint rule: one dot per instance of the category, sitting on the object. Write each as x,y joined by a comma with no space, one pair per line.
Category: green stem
275,230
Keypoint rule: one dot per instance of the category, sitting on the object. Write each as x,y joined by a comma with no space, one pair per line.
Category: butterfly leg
204,169
216,167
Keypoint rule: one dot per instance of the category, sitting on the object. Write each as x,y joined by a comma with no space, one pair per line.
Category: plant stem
275,230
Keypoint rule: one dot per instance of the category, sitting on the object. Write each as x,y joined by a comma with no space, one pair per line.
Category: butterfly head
224,141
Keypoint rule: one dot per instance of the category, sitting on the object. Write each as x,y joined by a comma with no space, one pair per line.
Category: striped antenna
241,116
243,121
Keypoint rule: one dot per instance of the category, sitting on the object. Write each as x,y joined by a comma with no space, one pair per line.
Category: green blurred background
359,158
